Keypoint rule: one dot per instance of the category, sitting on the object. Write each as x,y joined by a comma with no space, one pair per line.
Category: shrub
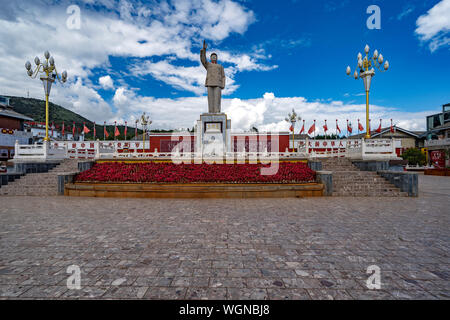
414,157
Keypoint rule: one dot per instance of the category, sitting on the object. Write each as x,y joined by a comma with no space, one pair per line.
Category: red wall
9,123
161,142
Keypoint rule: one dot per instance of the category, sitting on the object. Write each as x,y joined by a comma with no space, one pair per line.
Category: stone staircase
39,184
348,180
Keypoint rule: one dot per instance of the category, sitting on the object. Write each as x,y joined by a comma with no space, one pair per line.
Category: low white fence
351,148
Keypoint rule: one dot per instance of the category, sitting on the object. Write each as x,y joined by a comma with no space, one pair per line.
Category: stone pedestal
213,134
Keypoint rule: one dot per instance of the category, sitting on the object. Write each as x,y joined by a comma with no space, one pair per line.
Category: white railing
437,143
351,148
39,152
379,149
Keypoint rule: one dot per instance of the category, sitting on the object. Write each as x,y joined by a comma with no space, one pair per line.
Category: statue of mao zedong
215,80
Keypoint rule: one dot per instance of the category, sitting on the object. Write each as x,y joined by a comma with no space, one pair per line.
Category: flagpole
125,133
115,127
358,127
347,129
314,129
104,130
381,135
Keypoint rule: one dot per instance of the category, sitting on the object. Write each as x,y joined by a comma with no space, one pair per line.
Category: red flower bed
162,172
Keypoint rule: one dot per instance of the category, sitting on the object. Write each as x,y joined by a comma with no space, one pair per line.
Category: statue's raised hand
204,45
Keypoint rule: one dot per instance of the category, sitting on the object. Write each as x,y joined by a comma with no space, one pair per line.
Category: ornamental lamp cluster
293,118
365,63
47,68
145,121
48,75
366,72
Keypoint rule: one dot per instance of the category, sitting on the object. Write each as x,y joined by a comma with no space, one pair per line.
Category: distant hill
35,108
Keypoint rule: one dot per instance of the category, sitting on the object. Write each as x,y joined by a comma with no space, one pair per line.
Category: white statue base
213,135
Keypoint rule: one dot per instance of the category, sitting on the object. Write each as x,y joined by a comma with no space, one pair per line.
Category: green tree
414,157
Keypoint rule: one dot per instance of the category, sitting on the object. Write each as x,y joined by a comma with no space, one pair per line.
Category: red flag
105,132
85,129
379,128
116,132
94,131
291,128
125,132
73,129
325,128
312,129
52,128
349,128
337,127
62,132
360,127
303,127
392,128
135,132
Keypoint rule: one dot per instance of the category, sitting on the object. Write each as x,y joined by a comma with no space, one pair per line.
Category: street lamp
135,130
366,75
145,120
292,118
49,74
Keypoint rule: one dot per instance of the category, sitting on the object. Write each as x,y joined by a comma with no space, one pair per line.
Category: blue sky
126,57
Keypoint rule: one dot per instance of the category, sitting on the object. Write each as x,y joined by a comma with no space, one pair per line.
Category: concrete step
39,184
348,180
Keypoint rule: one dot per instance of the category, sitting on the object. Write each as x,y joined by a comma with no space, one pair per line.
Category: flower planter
437,172
168,180
193,190
166,172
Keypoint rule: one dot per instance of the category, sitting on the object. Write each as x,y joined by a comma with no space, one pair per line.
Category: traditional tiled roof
374,134
6,111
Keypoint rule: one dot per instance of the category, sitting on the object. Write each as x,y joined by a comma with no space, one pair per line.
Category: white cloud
434,26
106,82
83,100
406,11
266,113
125,29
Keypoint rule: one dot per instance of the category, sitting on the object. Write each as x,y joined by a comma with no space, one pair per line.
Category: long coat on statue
215,74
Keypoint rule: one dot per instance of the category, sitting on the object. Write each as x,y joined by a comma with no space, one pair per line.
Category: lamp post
292,118
49,74
135,129
145,120
366,72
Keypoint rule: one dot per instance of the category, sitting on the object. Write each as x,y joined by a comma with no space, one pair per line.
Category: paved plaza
311,248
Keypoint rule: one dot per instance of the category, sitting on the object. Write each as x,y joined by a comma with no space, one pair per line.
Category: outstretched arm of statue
203,55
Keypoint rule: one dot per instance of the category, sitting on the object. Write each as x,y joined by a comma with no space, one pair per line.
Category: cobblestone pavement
311,248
